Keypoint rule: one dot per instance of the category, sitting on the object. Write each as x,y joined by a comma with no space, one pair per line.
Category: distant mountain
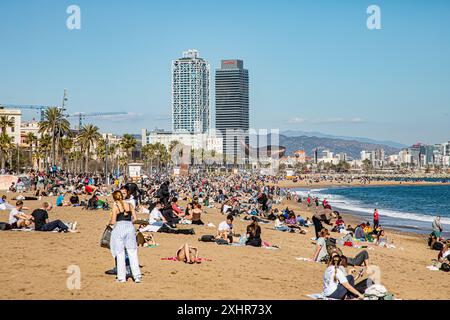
297,133
352,148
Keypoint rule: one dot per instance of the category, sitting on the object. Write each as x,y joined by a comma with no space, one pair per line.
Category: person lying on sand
188,254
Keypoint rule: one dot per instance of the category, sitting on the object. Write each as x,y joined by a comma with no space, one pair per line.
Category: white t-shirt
446,253
329,285
155,216
225,208
323,250
12,214
224,226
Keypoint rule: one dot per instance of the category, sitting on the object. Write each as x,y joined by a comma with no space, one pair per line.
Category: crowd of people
254,199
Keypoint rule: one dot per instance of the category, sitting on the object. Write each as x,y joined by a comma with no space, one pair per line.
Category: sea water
410,208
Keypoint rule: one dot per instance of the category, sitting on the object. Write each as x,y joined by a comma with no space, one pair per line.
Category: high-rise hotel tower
232,105
190,94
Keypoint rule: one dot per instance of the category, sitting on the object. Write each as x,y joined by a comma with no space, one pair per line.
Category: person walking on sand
376,220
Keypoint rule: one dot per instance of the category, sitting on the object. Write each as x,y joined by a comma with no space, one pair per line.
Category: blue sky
314,65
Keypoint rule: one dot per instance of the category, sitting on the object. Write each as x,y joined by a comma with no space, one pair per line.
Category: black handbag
106,238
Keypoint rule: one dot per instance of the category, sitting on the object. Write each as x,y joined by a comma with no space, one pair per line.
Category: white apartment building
16,117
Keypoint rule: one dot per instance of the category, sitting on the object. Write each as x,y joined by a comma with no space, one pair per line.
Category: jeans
341,292
283,228
53,225
359,259
134,265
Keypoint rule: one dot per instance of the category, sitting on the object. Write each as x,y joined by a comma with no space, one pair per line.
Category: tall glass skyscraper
190,94
232,106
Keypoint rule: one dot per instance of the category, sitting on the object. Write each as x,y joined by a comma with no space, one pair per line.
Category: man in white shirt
155,219
18,219
225,229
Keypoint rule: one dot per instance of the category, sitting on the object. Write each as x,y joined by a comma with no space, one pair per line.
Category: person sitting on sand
337,284
17,218
42,223
444,254
381,238
254,234
434,243
188,254
196,215
291,222
280,224
321,253
225,230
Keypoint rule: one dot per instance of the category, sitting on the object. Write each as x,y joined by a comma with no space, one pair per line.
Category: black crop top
122,217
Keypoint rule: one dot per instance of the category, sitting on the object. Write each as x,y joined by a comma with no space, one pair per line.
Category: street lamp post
106,160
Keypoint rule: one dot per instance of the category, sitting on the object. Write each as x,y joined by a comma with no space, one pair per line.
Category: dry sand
34,264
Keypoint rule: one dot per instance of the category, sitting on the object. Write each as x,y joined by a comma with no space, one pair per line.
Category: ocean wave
343,203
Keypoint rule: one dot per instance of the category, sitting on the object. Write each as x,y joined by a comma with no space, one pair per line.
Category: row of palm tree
62,146
73,151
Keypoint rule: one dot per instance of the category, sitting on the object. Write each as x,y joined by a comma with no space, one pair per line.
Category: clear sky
313,65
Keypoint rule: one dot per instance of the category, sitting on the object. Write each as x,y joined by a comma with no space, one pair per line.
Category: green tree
31,139
127,144
5,123
5,147
88,135
56,125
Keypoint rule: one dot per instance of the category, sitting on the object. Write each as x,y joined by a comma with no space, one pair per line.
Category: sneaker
121,281
138,279
74,226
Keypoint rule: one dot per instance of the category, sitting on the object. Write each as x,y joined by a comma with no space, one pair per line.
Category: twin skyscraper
191,99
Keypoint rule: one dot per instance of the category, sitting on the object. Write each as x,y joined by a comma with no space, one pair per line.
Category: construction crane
36,107
82,116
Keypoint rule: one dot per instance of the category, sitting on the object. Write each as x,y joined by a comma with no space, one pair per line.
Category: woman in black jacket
254,234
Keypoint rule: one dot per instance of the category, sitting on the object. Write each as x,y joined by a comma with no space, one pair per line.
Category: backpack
3,226
445,267
207,238
332,248
222,242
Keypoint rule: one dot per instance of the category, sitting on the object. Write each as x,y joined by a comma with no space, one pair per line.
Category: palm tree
87,137
155,152
5,146
31,139
65,145
56,125
5,123
44,147
127,144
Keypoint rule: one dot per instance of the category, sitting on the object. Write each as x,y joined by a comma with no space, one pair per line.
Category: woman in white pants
123,237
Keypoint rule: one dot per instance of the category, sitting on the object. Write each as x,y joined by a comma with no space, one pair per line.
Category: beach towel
432,268
304,259
318,296
176,259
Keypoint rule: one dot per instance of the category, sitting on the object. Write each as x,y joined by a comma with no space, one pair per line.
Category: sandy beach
34,264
